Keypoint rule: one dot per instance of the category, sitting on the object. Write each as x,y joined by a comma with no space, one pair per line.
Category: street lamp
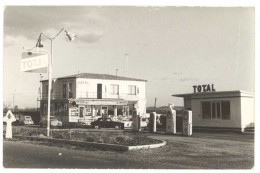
39,44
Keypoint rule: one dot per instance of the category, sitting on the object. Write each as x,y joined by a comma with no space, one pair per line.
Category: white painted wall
241,109
87,88
247,111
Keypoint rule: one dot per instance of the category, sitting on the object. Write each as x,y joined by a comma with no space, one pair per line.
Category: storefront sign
97,102
204,88
73,114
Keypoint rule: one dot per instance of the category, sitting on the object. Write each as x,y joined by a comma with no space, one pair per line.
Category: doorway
99,91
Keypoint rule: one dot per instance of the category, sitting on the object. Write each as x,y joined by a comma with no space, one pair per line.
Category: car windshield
27,118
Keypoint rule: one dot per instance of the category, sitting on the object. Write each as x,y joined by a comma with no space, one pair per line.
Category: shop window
64,91
45,107
131,90
206,110
216,110
88,110
114,89
47,89
125,110
70,90
225,108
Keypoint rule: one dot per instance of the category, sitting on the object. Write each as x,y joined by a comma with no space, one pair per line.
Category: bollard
9,118
152,122
171,120
187,123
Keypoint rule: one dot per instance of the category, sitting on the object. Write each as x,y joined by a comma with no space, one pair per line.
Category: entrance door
99,91
81,109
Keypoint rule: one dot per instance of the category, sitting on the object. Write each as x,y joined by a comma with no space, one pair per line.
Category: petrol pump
187,123
171,120
136,123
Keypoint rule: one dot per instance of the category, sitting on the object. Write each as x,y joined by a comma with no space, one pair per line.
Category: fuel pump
187,123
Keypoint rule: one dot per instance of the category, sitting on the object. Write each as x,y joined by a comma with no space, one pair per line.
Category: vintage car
54,122
107,123
127,123
27,120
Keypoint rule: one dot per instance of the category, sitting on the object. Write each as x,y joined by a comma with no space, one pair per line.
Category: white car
127,124
53,122
27,120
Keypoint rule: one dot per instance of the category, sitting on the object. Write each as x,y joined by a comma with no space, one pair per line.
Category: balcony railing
103,95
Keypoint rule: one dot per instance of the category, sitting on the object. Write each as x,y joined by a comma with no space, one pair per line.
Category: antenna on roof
126,64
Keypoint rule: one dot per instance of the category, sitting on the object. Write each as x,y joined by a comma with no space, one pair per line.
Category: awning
99,102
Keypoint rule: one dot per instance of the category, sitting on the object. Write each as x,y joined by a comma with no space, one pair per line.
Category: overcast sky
173,48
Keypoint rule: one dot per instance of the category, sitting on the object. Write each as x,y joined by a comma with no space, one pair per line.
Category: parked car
27,120
127,123
54,122
107,123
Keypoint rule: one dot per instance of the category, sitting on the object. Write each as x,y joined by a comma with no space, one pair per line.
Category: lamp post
39,44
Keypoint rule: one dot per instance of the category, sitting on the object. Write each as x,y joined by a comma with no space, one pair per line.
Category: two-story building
82,97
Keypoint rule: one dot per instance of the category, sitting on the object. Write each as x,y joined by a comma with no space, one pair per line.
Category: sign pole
49,88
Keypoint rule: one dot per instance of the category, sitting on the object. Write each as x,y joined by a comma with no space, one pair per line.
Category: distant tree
6,107
16,109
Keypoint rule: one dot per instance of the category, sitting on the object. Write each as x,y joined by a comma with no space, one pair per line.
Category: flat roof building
233,110
82,97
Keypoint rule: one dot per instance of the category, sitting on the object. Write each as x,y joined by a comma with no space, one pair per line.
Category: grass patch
109,137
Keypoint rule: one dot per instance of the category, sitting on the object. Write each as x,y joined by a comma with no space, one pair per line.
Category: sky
173,48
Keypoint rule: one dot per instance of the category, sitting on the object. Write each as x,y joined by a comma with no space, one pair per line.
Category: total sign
34,62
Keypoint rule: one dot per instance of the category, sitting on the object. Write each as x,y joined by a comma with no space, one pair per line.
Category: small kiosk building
231,110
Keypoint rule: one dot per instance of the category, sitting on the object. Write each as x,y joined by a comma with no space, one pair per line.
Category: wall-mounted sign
73,114
203,88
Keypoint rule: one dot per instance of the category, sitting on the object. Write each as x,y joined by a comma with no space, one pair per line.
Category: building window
131,90
70,90
225,110
64,91
114,89
44,108
206,110
216,110
47,89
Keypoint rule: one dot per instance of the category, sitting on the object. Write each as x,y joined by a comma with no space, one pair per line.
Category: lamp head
70,35
39,42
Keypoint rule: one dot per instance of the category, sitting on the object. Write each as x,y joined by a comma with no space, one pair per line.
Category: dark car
107,123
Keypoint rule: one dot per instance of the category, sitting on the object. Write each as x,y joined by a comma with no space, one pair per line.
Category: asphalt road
26,155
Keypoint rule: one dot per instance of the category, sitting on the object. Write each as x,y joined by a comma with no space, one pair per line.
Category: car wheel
116,127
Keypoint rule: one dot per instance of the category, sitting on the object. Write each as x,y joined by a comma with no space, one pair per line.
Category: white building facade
231,110
82,97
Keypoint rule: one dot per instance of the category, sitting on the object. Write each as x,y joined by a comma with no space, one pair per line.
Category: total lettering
204,88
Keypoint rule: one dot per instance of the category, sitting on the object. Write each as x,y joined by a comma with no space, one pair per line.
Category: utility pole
13,99
155,104
126,64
